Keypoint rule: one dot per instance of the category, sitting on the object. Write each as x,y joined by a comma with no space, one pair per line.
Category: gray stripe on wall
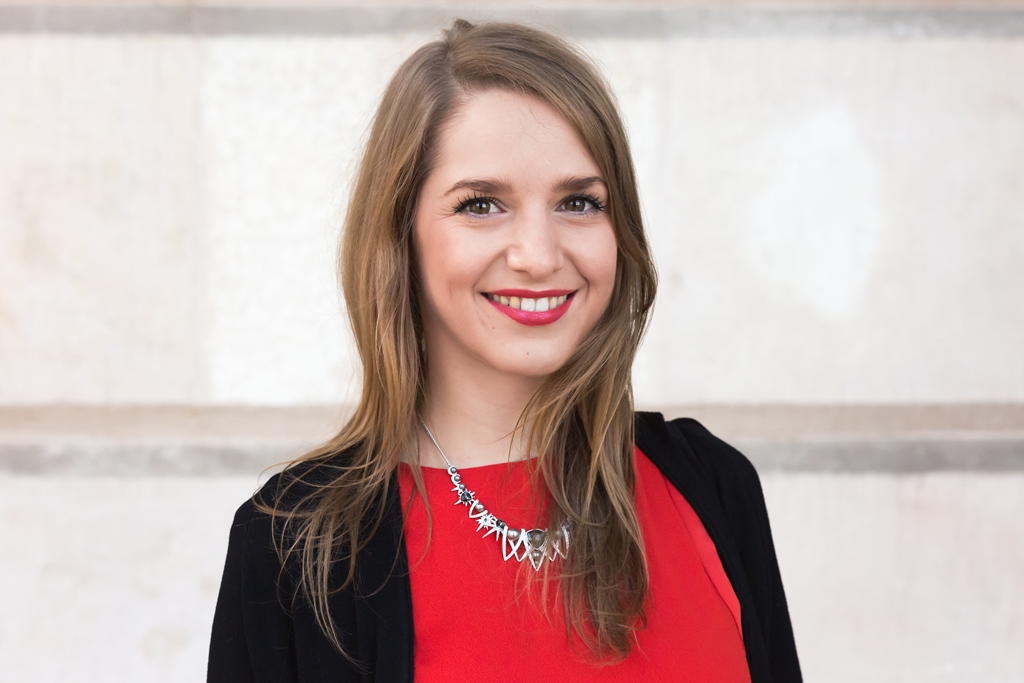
582,22
888,456
143,459
148,459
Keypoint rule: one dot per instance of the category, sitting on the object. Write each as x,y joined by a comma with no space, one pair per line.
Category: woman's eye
580,204
480,207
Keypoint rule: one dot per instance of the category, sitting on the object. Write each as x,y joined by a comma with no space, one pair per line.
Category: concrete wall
836,219
833,192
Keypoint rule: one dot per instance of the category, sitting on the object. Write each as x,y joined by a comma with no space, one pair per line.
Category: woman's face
516,250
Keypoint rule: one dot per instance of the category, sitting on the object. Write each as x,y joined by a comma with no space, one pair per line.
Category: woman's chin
531,366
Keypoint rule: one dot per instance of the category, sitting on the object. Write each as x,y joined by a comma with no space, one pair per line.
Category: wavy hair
580,422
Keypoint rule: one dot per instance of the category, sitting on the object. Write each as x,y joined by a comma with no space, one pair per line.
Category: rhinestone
536,537
465,497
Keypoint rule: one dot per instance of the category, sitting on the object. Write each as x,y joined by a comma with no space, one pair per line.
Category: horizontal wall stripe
888,456
596,22
142,459
774,422
208,441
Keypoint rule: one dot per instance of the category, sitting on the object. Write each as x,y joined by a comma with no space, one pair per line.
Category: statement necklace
533,544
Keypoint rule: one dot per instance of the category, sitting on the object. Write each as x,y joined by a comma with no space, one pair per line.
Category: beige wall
834,220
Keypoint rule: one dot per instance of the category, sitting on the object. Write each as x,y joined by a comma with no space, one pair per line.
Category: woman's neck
472,413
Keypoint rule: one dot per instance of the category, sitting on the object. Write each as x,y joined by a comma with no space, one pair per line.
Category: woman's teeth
543,304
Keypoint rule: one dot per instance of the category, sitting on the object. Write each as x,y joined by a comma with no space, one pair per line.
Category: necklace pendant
512,542
537,542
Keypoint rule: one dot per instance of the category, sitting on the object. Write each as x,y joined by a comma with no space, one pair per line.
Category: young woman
494,509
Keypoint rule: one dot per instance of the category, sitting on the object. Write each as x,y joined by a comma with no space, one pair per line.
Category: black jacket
256,640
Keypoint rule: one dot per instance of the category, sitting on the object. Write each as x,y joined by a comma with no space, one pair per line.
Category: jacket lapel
693,477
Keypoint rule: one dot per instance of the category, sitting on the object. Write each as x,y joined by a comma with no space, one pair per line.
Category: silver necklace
521,544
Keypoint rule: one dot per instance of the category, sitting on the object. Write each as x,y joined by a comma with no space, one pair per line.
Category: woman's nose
533,247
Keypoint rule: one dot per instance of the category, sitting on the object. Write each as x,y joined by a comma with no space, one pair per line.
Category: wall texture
836,217
833,194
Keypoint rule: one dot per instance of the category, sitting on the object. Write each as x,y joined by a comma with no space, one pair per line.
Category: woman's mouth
531,308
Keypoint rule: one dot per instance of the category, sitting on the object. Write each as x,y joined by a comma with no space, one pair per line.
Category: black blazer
262,633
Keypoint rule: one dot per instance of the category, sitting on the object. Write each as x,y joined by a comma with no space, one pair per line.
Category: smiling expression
516,250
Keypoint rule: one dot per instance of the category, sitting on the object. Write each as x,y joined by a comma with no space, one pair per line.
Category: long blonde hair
581,420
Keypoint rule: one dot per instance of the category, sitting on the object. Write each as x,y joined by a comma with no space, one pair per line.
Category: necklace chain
536,545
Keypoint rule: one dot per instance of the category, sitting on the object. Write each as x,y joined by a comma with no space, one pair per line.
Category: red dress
472,619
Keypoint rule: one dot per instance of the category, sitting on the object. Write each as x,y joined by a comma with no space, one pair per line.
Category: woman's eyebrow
484,185
501,186
579,183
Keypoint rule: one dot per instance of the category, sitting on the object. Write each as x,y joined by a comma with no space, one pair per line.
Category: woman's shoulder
262,516
686,442
298,483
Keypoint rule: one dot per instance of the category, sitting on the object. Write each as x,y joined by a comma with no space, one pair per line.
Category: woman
494,508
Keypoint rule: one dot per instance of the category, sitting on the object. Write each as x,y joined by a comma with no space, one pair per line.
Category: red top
471,619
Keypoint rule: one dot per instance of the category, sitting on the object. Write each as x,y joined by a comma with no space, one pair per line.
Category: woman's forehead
504,136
